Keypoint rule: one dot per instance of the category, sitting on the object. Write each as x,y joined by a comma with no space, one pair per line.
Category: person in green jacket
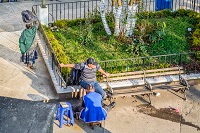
26,41
27,38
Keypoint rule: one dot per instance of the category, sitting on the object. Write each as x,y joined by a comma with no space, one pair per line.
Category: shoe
109,94
110,106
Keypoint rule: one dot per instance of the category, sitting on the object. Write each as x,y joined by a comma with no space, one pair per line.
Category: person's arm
103,72
67,65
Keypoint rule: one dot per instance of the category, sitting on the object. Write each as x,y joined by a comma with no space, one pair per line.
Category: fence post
84,9
195,60
143,63
105,67
194,5
180,59
66,78
60,79
52,59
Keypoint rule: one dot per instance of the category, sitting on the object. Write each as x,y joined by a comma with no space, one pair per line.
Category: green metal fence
150,62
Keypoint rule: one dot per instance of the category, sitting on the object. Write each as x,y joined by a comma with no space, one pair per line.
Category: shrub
196,37
61,23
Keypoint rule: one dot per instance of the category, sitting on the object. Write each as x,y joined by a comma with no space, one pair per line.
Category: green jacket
26,39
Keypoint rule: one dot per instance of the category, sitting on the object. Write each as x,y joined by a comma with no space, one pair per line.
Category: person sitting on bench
93,112
88,74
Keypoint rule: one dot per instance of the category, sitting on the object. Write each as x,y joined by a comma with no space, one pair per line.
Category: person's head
91,63
89,88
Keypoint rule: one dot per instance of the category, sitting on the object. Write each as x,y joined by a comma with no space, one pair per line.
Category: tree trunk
131,20
113,7
123,16
103,17
117,18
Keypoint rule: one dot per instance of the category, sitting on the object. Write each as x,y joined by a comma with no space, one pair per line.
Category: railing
71,10
186,60
80,9
151,62
153,5
51,57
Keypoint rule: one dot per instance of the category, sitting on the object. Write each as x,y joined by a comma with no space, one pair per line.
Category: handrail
52,58
150,62
148,57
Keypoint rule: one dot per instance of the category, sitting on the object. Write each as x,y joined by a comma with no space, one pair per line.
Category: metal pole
43,3
180,59
194,5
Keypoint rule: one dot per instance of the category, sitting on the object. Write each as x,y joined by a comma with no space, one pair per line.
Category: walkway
16,80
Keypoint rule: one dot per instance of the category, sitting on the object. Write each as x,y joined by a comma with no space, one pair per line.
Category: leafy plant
162,32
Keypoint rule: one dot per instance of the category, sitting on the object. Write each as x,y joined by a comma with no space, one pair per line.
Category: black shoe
110,106
109,94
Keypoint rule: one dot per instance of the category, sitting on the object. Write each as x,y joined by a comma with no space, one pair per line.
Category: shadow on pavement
18,116
23,78
194,93
79,126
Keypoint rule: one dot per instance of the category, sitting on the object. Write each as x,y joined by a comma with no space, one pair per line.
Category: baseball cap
91,61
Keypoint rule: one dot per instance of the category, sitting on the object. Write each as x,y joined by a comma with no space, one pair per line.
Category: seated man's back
93,111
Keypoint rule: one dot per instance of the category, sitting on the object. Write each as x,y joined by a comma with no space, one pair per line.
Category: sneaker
109,94
110,106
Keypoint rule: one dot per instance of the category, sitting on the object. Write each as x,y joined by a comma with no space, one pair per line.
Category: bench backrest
144,74
164,72
124,76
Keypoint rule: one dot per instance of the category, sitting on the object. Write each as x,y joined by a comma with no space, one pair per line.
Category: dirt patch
165,113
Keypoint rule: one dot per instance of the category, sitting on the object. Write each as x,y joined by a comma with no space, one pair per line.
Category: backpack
28,16
75,75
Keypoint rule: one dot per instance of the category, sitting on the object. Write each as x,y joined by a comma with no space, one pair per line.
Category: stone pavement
10,15
126,117
16,81
22,116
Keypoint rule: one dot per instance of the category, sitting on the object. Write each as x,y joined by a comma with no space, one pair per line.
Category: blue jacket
93,111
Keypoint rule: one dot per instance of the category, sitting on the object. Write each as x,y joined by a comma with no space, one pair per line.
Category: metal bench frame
145,74
183,84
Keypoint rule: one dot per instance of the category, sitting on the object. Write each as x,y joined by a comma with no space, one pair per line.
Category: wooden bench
125,84
146,82
166,79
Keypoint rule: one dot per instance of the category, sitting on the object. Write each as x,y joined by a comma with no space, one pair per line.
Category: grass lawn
175,39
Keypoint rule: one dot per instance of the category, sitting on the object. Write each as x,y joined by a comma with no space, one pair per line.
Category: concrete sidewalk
131,116
17,80
10,15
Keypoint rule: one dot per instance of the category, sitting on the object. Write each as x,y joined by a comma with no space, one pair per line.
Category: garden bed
158,33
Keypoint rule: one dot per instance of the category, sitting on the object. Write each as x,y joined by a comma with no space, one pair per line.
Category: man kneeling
93,111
